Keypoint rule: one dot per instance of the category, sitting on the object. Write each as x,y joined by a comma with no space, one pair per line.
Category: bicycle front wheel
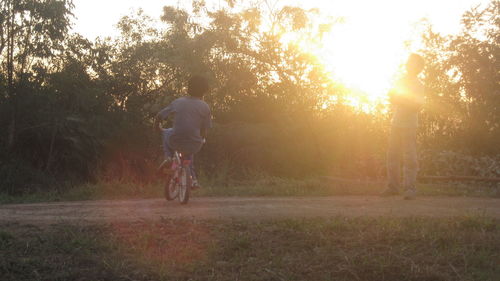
185,185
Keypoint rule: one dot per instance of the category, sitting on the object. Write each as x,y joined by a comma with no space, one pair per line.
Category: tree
31,33
256,76
463,78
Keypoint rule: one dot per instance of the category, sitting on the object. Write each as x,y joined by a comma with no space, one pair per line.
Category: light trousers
402,155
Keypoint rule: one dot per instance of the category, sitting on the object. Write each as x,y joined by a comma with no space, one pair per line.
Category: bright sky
364,52
98,17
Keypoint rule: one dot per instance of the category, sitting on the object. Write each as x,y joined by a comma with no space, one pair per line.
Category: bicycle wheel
185,185
171,188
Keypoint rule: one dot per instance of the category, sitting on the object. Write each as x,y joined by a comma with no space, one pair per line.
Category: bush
294,149
446,163
18,177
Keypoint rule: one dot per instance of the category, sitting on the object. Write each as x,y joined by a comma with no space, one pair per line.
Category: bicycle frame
179,185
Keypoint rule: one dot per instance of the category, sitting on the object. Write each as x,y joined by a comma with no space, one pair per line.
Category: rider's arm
162,115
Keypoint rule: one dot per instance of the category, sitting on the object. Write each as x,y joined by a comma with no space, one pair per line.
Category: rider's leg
193,172
190,157
167,149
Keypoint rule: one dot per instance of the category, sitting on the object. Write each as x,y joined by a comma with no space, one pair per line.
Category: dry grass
464,248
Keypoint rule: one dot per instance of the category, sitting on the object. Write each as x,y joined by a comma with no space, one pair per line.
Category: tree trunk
51,148
11,133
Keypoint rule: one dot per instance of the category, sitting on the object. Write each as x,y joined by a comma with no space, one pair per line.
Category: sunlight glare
361,60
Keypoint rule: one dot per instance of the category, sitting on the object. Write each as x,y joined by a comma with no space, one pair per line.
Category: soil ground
105,211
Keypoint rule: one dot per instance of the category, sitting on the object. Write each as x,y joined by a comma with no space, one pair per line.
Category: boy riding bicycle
192,118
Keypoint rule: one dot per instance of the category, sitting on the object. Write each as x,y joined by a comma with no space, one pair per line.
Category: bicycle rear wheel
185,185
171,188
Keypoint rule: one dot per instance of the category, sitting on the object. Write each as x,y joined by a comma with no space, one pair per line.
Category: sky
98,17
363,53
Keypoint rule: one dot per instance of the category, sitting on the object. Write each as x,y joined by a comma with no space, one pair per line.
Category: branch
459,178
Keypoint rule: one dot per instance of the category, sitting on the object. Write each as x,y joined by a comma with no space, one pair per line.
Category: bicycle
179,181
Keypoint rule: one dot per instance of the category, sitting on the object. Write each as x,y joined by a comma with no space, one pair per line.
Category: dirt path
246,208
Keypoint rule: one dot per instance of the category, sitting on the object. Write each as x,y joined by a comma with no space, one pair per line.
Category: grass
261,186
465,248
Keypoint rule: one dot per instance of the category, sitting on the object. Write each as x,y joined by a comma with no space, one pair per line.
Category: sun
364,57
363,60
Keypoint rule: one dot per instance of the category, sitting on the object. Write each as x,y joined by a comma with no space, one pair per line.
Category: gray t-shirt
190,116
412,90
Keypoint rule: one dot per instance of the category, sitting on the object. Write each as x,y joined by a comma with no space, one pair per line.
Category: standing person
192,118
406,98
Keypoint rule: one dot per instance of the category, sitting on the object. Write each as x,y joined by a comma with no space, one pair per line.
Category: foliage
463,80
327,145
76,110
455,163
20,178
31,34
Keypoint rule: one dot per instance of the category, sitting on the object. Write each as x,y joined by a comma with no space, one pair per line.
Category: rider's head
197,86
415,64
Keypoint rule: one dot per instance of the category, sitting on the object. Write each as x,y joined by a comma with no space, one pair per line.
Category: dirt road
246,208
